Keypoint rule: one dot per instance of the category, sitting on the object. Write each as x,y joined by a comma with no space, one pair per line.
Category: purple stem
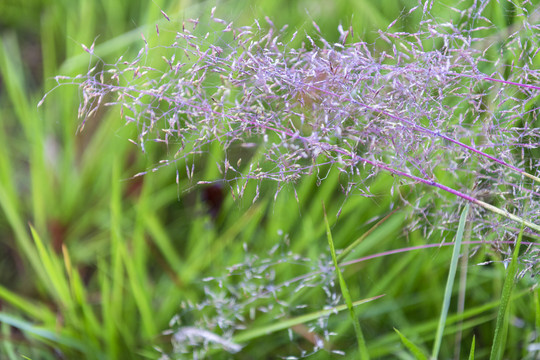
392,252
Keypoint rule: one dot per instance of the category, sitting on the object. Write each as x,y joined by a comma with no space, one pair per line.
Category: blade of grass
464,265
537,313
163,242
498,339
362,348
12,71
351,247
7,343
35,310
450,282
415,350
107,310
55,274
119,302
54,336
83,309
68,290
471,354
266,330
140,295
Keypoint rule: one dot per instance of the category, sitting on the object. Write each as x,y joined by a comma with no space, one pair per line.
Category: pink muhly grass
434,108
428,107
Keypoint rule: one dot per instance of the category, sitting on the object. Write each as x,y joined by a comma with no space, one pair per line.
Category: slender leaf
471,354
31,329
286,324
415,350
450,282
499,338
362,348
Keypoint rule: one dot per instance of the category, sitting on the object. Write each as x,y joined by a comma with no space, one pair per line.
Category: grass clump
252,125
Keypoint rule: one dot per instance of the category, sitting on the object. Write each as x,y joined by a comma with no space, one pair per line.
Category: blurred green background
94,264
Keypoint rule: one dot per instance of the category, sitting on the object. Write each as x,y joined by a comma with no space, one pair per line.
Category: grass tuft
203,237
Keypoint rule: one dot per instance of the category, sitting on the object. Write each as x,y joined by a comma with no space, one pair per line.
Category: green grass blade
537,311
351,247
362,348
118,280
31,329
266,330
471,354
83,310
415,350
35,310
53,269
7,343
450,282
499,338
10,207
140,295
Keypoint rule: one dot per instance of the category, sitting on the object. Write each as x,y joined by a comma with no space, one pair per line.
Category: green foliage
95,263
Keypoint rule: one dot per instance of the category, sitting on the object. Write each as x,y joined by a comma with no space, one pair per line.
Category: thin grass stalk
471,353
464,265
413,348
362,348
497,348
450,283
